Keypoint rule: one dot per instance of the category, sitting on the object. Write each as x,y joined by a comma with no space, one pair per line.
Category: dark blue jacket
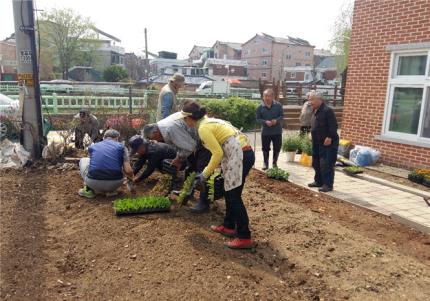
106,160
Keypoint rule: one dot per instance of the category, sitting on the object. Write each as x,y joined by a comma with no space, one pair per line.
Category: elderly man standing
325,142
270,115
167,99
88,124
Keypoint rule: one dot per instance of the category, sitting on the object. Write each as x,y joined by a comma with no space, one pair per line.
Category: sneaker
224,231
314,184
86,192
325,188
239,243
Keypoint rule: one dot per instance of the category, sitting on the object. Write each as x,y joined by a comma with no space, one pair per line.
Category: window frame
407,81
264,62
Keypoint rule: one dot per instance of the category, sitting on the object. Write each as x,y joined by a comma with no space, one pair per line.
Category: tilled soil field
56,245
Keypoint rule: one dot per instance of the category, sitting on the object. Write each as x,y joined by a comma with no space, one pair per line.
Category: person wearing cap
174,131
88,124
152,154
231,149
103,171
167,99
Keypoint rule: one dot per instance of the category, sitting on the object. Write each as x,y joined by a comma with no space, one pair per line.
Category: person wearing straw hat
167,104
103,171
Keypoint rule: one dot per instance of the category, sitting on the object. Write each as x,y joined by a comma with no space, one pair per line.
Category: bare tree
68,34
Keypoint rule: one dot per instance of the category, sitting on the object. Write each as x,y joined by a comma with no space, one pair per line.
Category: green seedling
277,174
141,204
185,191
354,169
211,186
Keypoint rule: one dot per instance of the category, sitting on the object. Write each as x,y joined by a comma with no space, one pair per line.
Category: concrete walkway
403,206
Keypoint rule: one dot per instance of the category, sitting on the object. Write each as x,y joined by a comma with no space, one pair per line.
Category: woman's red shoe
224,231
239,243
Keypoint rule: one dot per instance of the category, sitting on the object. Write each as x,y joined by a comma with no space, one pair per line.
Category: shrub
114,73
239,111
416,177
277,174
291,143
306,145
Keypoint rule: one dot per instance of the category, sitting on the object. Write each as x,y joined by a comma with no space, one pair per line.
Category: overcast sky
176,26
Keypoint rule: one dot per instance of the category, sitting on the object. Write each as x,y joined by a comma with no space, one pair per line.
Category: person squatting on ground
88,124
103,171
270,115
325,143
230,148
167,103
151,154
174,131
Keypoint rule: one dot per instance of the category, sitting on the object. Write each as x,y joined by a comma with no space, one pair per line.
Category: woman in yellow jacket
230,148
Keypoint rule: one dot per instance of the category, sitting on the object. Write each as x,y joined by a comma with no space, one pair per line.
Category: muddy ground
57,246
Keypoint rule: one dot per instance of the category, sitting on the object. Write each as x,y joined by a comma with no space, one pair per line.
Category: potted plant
416,177
306,146
290,145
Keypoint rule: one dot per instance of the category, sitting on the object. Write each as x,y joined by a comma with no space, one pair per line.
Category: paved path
402,206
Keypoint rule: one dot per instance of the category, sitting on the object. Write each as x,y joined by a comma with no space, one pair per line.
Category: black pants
235,213
275,139
323,161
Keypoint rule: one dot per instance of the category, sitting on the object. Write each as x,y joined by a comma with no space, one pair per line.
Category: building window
263,75
264,50
307,77
298,64
407,111
184,71
293,75
288,56
307,54
308,65
264,62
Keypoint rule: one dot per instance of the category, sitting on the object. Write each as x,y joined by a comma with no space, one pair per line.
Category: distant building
198,51
267,56
8,62
323,73
160,66
220,69
108,52
227,50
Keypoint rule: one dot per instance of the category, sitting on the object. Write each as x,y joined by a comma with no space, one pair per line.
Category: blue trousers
323,161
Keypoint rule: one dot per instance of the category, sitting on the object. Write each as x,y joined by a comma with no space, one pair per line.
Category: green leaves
136,205
277,174
306,145
114,73
239,111
186,188
211,186
291,142
354,169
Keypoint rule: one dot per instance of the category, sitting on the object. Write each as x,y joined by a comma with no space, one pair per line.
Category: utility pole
28,77
146,55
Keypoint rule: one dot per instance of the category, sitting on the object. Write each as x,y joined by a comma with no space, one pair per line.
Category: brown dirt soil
57,246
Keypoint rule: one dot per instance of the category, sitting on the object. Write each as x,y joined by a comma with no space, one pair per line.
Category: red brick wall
377,23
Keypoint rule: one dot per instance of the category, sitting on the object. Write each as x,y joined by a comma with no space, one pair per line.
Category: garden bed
56,245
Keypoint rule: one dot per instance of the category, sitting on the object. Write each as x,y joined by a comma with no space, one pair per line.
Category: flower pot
291,156
306,160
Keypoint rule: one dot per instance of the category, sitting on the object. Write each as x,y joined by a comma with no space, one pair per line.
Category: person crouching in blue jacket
103,171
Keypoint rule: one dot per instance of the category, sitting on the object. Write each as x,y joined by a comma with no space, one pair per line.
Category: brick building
267,56
8,63
220,69
197,52
227,50
387,101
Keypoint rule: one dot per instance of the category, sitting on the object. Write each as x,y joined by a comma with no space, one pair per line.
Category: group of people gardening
194,142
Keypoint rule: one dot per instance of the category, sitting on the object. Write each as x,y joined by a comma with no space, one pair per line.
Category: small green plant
141,204
186,188
211,186
354,169
306,146
163,185
416,176
291,143
277,174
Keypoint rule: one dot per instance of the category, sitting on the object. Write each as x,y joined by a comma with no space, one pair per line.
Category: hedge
239,111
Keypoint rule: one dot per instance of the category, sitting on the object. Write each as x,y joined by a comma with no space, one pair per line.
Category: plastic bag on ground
12,155
364,156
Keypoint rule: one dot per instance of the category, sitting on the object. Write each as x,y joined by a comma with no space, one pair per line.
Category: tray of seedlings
353,170
278,174
141,205
187,190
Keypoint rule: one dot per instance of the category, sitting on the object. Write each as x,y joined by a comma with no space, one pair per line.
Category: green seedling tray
143,211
